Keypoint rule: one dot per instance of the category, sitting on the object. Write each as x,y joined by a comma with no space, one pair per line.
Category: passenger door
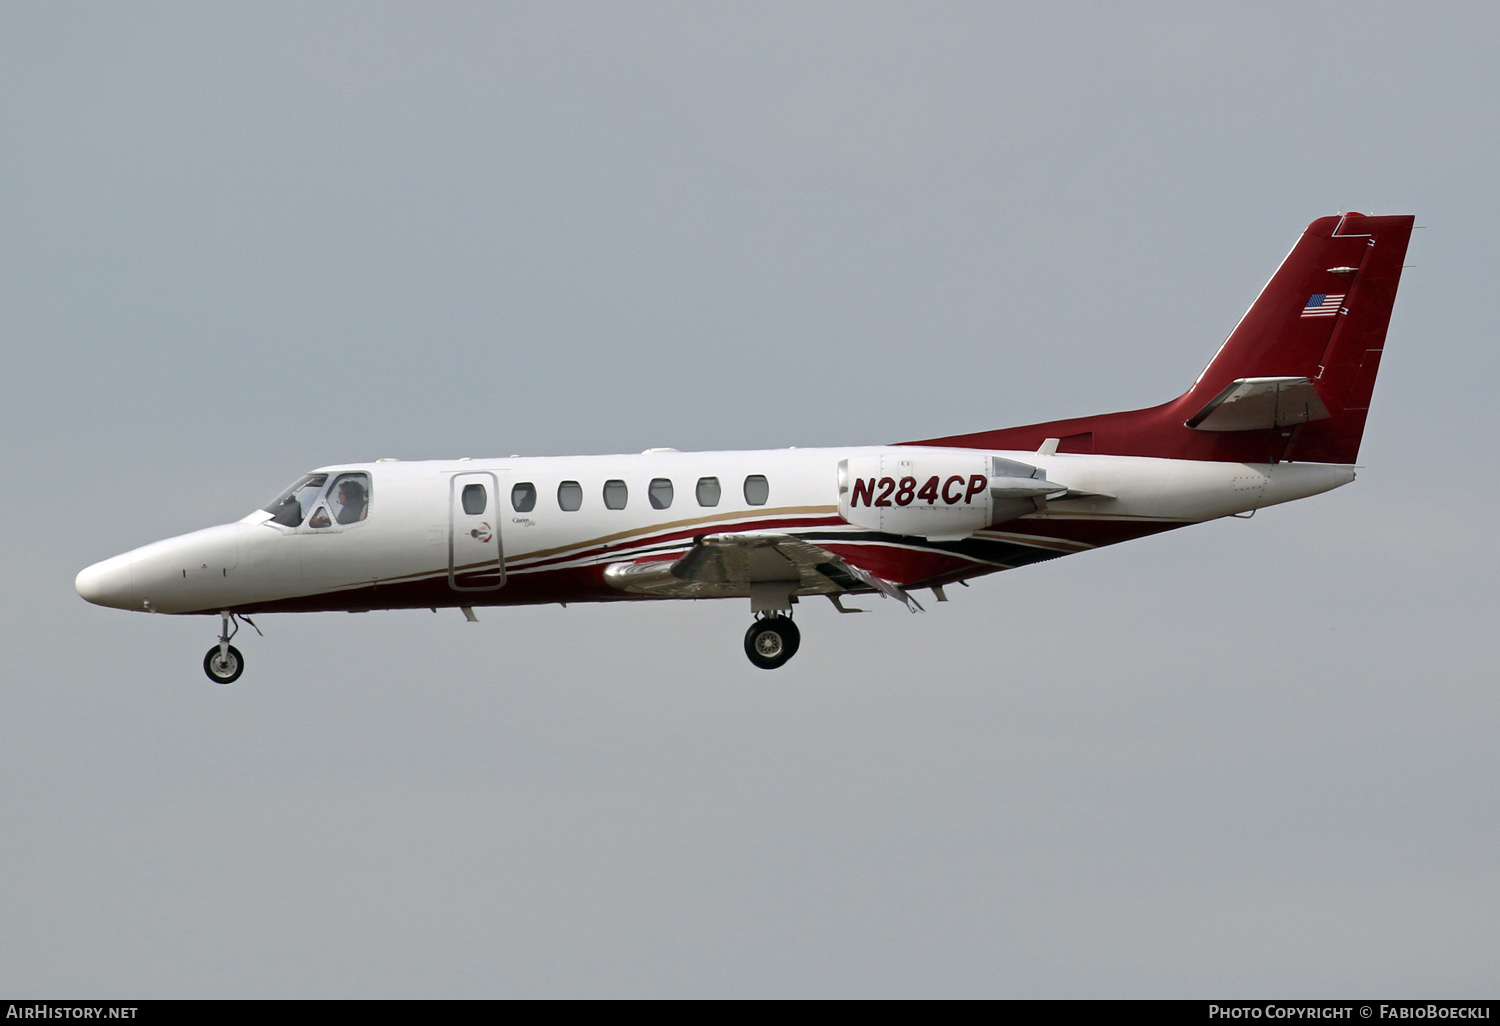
475,559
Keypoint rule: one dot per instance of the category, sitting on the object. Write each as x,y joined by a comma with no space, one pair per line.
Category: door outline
461,523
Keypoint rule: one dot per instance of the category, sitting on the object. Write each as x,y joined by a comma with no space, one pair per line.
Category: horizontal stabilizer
1256,404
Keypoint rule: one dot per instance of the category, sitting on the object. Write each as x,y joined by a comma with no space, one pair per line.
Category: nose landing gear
771,641
223,663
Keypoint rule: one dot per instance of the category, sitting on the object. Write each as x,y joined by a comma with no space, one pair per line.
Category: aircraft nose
108,584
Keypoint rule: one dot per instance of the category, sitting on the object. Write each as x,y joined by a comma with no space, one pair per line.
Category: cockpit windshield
346,501
288,507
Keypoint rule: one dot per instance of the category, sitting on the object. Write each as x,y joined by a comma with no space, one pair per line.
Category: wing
753,565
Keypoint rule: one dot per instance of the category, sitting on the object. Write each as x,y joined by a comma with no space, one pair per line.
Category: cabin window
757,490
615,494
708,491
287,508
474,499
569,496
523,497
660,493
349,498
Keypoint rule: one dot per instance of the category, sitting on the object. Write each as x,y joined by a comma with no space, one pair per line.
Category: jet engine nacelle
941,495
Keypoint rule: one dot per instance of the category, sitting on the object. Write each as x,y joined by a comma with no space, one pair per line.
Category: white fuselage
417,539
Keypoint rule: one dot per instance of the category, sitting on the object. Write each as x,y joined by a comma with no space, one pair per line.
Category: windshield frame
298,505
290,509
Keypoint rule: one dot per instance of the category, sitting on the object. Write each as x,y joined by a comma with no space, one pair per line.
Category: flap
726,565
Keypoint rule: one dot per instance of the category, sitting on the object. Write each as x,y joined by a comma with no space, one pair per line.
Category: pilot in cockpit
353,502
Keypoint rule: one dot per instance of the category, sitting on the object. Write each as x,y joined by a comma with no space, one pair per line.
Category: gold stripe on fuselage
675,525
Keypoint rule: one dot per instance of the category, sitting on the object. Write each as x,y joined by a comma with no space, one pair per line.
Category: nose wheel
223,663
224,667
771,642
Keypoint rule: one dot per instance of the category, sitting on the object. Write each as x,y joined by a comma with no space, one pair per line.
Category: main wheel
226,670
771,642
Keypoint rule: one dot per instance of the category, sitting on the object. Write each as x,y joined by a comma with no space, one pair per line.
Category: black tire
771,642
229,671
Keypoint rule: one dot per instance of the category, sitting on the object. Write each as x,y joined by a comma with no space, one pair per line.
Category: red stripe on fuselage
622,550
910,562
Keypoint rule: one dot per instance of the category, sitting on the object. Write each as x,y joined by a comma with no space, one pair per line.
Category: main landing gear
223,663
771,641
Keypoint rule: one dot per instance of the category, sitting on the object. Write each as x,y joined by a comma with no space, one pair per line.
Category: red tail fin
1322,317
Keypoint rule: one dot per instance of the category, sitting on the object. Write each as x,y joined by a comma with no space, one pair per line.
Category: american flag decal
1322,305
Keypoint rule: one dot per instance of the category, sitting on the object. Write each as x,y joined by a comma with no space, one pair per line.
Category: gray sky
238,241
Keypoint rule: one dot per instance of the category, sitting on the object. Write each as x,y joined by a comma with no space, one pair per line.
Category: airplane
1276,415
